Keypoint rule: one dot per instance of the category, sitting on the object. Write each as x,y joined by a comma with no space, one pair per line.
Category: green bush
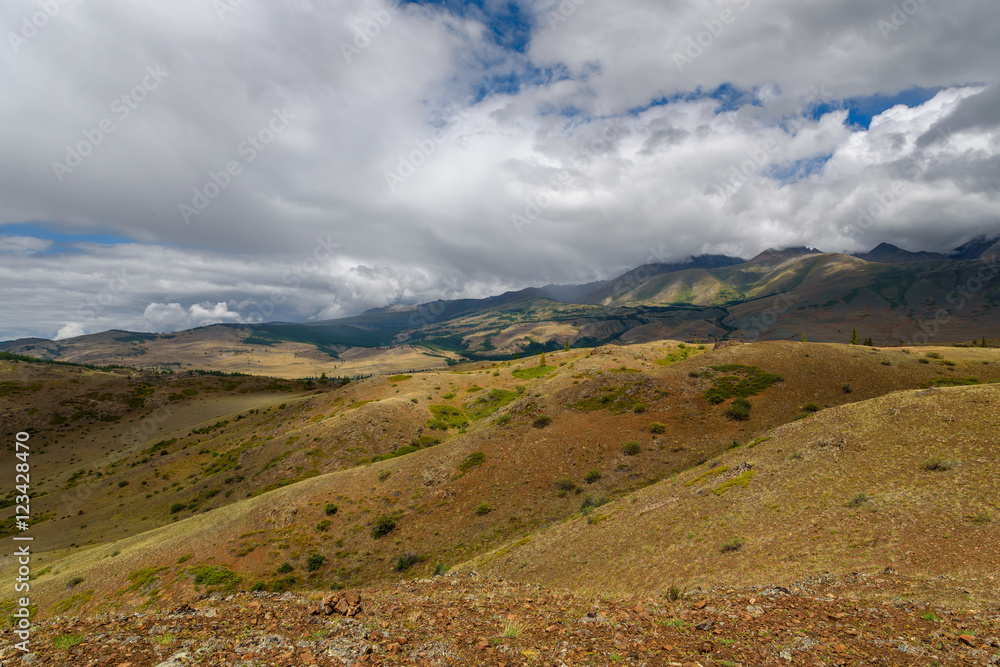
631,448
471,461
739,410
383,526
857,501
483,509
542,422
732,545
406,561
314,562
330,509
178,507
285,568
811,407
592,476
657,427
323,526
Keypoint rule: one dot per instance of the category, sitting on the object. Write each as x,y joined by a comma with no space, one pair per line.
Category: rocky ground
861,619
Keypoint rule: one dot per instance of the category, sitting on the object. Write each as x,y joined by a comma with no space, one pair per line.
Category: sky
171,165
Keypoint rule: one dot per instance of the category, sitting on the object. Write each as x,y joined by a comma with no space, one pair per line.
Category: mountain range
888,294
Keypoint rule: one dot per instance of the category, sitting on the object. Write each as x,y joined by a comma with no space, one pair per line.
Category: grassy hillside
397,477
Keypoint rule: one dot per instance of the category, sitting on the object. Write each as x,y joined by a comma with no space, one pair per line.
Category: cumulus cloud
344,155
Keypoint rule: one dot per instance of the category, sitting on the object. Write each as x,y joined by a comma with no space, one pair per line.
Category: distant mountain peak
887,253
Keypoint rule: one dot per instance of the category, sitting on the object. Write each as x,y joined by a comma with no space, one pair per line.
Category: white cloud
655,181
71,330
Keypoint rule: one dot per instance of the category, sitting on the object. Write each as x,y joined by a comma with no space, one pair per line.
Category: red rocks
348,604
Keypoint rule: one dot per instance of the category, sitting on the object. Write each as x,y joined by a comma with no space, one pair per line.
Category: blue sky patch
729,97
793,172
861,110
62,240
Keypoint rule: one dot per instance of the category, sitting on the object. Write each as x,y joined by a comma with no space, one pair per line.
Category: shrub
732,545
923,361
440,569
592,476
936,464
483,509
177,507
933,355
847,389
384,475
640,408
330,509
542,422
122,483
589,503
209,575
811,407
657,427
564,485
502,419
674,593
406,561
259,586
323,526
739,410
74,581
314,562
631,448
383,526
285,568
857,501
471,461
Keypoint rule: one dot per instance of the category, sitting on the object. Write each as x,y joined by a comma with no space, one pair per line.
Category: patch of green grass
714,472
398,378
330,509
680,355
486,405
143,580
215,576
66,642
740,480
592,476
657,427
740,382
483,509
447,416
615,399
471,461
631,448
533,372
951,382
810,407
